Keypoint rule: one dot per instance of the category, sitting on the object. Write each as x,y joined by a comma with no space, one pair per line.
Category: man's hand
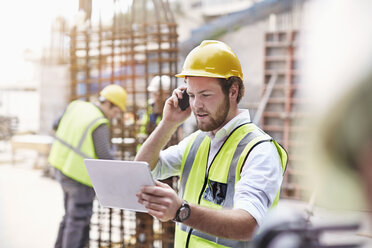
161,201
172,113
173,116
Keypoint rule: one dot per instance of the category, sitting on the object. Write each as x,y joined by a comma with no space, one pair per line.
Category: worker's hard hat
157,81
212,59
115,94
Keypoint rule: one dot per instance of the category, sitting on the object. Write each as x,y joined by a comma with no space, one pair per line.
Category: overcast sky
26,24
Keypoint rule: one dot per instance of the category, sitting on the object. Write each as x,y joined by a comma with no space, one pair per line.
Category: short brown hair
227,83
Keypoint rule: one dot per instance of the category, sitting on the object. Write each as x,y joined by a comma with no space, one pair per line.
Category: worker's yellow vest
145,121
74,140
215,188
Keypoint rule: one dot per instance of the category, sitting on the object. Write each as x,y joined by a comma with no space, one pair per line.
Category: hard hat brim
199,74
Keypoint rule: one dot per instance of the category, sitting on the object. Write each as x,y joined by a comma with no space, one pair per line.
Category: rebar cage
137,44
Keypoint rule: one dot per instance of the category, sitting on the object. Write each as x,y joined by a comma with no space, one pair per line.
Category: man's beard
216,122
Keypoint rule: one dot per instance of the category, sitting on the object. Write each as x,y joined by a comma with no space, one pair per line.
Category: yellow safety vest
145,122
74,141
215,188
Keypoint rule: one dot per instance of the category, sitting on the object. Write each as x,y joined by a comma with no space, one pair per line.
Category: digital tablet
116,182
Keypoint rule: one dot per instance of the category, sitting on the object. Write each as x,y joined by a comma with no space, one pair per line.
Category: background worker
82,132
159,89
230,170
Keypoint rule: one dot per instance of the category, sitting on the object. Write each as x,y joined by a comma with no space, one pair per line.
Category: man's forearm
235,224
150,149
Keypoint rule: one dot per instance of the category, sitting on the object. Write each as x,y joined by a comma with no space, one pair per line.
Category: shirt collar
241,118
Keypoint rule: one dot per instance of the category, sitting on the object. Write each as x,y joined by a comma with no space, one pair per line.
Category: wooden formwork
283,113
138,45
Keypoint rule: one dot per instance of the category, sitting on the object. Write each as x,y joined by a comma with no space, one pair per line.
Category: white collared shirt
261,175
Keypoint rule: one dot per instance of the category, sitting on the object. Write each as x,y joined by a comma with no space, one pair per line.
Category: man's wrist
171,127
183,212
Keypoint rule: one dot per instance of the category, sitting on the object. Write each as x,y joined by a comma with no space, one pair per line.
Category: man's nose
196,102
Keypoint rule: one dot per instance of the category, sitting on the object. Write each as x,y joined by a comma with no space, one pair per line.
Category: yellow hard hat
212,58
115,94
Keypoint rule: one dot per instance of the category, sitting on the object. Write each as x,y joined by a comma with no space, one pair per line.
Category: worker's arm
235,224
58,120
172,118
163,202
101,142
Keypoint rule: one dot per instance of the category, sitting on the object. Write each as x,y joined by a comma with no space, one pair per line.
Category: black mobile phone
184,102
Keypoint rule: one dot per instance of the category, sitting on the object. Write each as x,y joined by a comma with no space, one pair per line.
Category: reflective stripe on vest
243,138
77,149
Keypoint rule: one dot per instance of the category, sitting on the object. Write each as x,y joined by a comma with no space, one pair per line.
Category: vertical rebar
138,44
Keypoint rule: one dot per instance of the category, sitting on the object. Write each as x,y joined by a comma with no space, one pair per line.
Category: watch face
184,212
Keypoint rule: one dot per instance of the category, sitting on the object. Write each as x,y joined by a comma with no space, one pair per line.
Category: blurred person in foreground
348,141
82,132
337,77
230,170
345,157
337,83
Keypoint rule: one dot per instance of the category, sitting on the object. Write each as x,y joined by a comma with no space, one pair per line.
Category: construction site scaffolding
280,113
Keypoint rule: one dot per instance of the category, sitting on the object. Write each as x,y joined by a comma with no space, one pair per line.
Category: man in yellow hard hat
82,132
230,170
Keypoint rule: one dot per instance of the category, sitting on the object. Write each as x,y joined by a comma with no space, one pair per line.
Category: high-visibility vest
74,141
146,125
146,121
215,188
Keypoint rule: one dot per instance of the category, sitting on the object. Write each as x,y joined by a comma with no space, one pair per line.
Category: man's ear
106,105
109,105
234,90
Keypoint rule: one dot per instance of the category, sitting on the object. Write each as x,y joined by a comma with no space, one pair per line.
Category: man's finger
155,190
154,206
160,184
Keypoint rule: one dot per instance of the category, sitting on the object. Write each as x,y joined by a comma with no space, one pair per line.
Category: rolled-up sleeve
260,181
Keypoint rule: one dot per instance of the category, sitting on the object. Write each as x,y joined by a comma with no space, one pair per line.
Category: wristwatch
183,213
